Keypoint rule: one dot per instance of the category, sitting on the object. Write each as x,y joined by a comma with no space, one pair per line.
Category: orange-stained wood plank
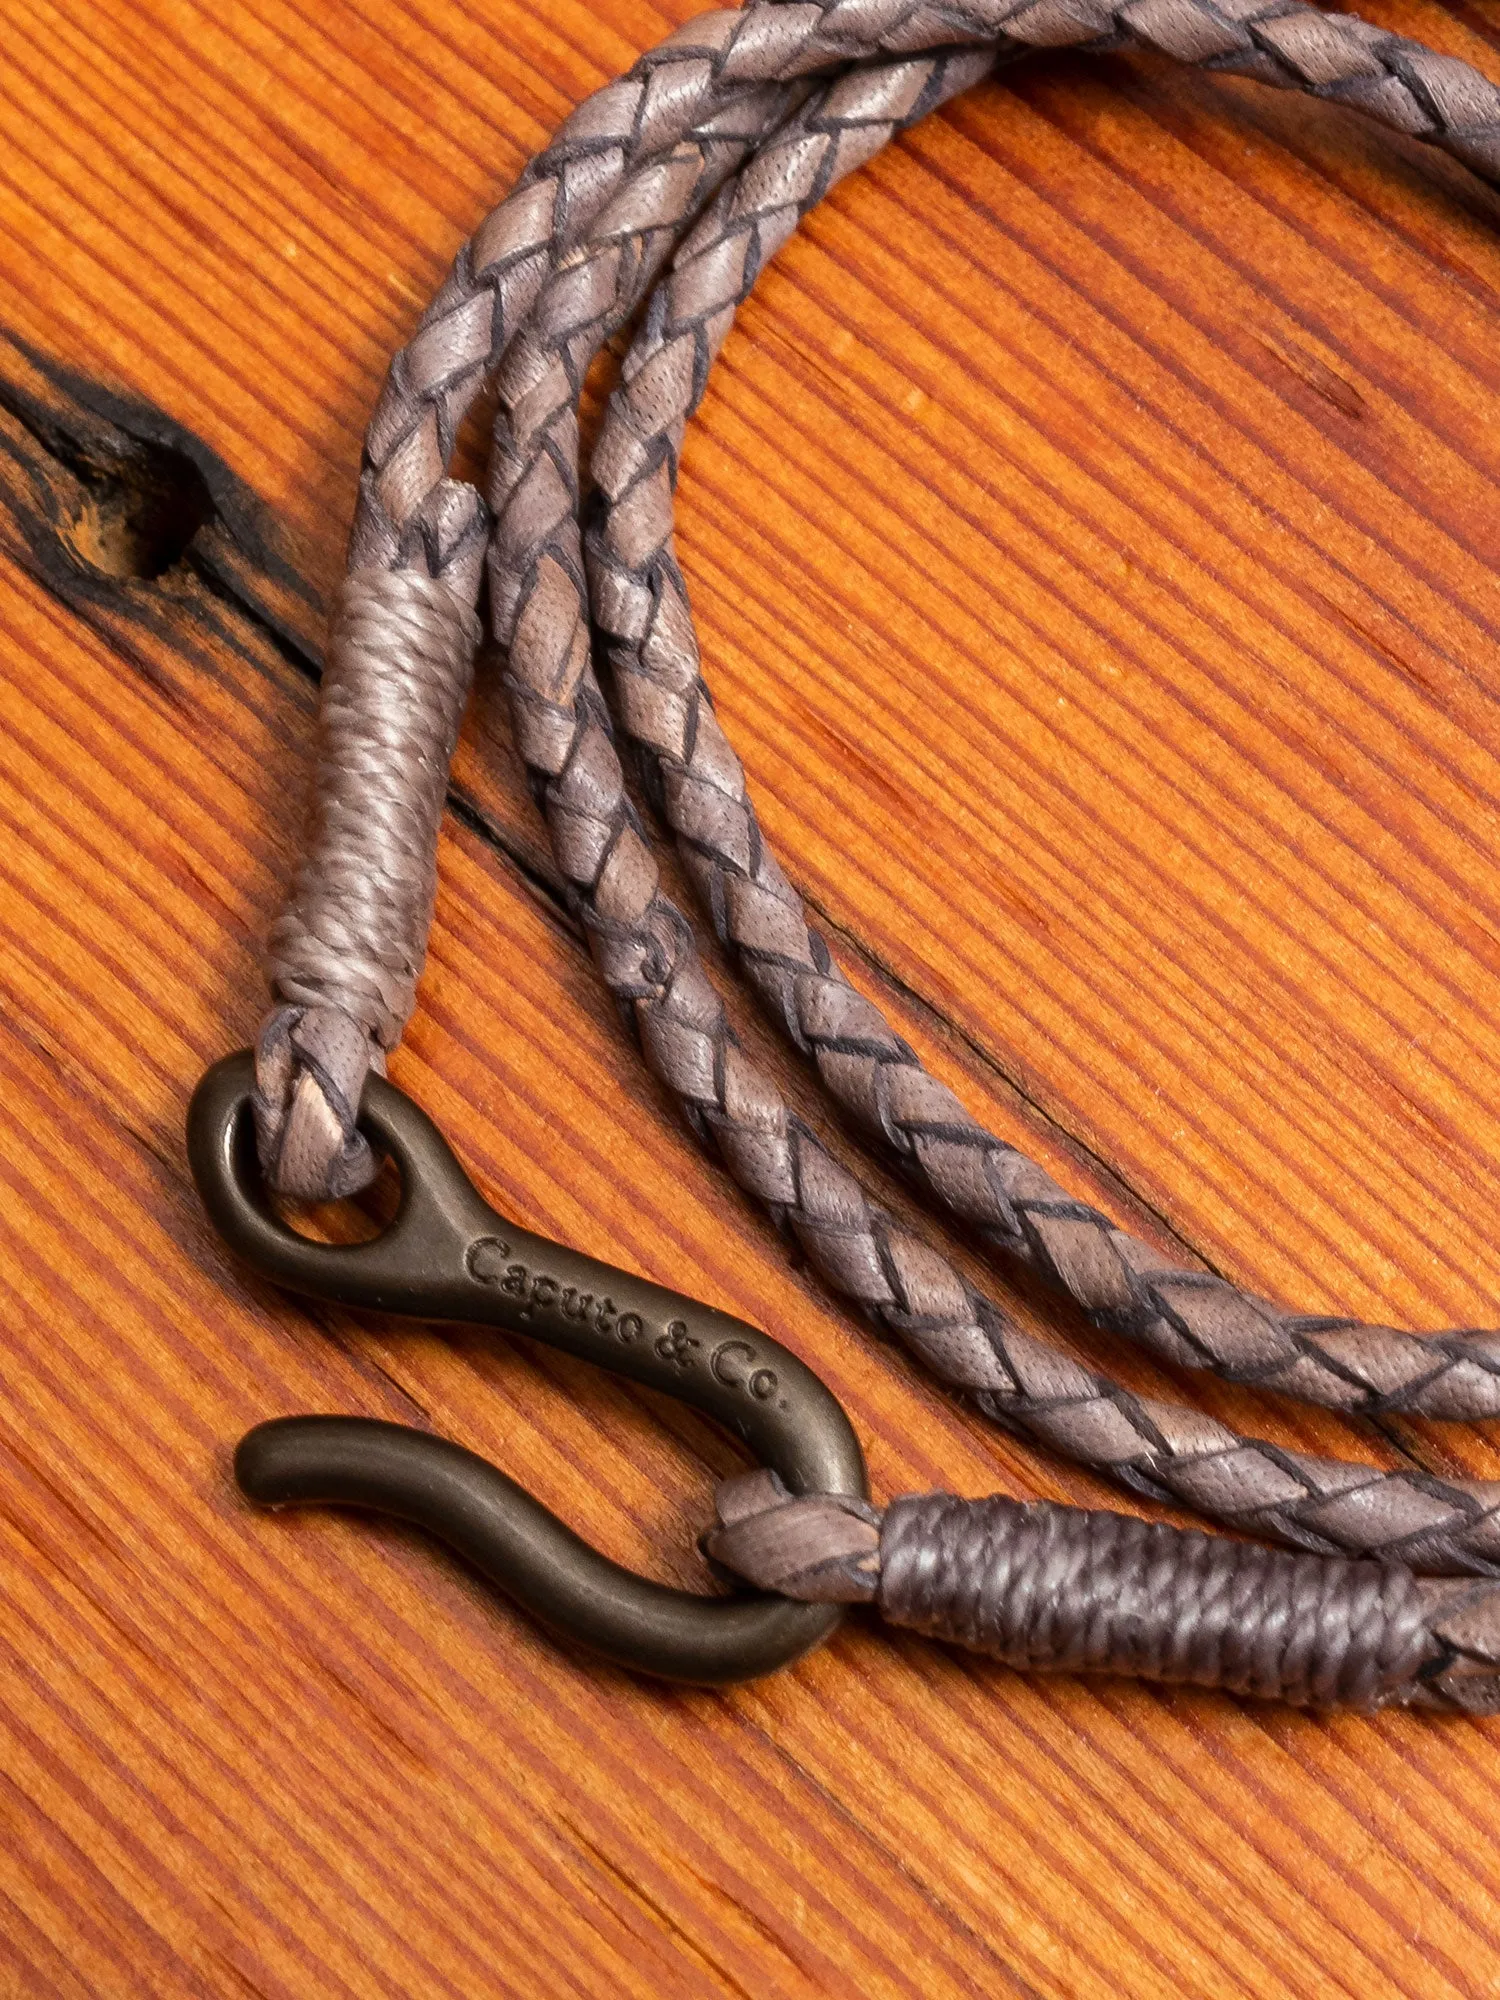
1107,613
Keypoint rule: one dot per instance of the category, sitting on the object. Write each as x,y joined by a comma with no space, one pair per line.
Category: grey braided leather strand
1077,1590
645,950
706,156
662,704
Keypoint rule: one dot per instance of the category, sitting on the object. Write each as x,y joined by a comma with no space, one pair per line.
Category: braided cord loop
670,189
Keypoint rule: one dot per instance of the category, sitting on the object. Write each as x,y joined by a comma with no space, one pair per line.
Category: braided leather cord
1192,1318
645,948
1077,1590
552,275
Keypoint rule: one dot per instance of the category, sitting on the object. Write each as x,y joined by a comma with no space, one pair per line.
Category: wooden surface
1173,486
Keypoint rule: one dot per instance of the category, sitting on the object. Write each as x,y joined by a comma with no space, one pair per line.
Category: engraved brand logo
486,1259
677,1344
732,1363
536,1291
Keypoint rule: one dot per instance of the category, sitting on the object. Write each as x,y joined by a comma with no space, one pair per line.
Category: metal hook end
447,1255
520,1546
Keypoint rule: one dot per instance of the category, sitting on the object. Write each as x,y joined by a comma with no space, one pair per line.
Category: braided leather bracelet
670,188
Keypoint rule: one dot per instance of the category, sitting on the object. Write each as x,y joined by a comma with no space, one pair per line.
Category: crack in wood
150,493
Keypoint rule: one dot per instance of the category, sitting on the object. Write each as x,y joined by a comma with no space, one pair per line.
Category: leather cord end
310,1070
822,1548
1074,1590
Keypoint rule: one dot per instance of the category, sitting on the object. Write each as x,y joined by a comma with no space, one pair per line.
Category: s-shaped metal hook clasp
447,1255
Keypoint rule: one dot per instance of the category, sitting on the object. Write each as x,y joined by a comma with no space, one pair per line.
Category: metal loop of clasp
447,1255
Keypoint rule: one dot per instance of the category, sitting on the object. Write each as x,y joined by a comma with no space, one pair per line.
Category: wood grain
1170,486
